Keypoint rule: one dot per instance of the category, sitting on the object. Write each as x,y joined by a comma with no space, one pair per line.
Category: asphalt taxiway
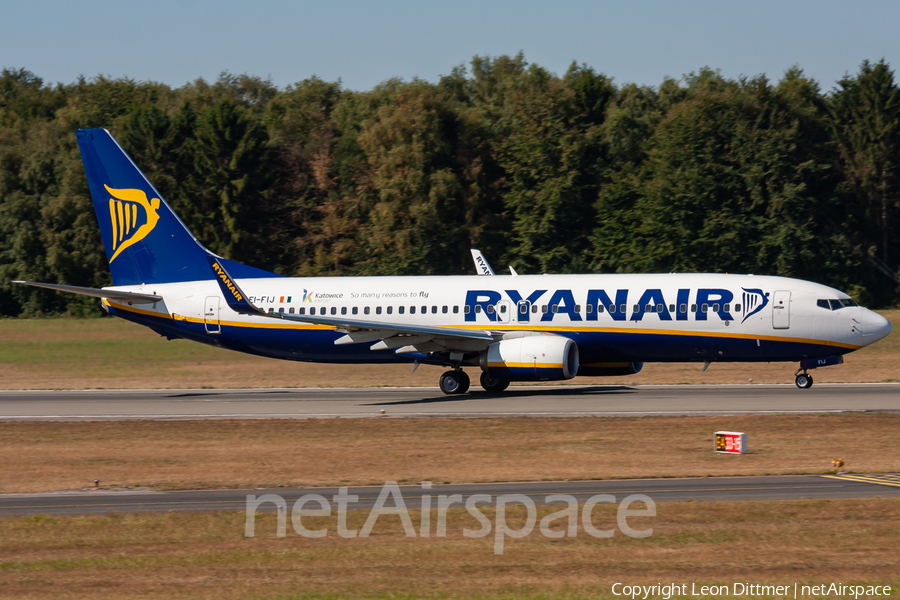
789,487
611,400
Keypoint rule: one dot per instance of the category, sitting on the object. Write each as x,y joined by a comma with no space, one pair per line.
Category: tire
804,381
451,382
465,382
493,385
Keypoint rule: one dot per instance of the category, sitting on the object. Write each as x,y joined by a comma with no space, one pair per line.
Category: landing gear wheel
493,385
465,382
804,381
454,382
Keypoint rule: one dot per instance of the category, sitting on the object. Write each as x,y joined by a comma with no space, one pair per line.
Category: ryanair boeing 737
510,327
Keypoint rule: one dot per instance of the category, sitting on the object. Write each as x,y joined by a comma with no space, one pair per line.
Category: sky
365,43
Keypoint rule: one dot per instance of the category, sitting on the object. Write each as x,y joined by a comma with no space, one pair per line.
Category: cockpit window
836,304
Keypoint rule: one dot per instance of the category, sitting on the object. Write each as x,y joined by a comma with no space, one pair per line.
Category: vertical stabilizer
145,241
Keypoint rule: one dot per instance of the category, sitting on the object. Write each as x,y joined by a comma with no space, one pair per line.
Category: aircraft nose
874,327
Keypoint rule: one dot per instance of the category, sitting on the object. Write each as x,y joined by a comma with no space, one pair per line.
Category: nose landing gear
803,381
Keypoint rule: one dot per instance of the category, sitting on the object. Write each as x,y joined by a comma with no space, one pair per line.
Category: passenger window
659,308
455,310
555,308
523,308
577,308
444,309
599,308
466,309
390,309
622,308
281,310
302,311
534,308
705,308
637,308
544,308
312,310
377,310
291,310
334,310
649,308
401,310
683,308
271,310
477,309
693,308
727,308
502,309
671,308
715,307
612,308
589,308
737,308
412,310
490,309
343,310
434,310
355,310
424,310
366,310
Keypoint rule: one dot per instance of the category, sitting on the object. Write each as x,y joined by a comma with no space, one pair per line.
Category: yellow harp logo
125,215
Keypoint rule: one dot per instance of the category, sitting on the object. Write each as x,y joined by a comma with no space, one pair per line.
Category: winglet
481,264
234,295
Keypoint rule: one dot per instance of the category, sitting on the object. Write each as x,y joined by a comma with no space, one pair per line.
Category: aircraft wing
95,292
404,337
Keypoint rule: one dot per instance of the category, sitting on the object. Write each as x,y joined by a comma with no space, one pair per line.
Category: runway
790,487
562,401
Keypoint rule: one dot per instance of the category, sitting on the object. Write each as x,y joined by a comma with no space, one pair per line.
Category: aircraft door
781,310
523,310
502,309
211,315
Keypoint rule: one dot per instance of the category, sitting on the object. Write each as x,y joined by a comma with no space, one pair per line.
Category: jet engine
531,358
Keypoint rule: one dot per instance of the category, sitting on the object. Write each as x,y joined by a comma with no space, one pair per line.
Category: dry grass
206,555
42,456
110,353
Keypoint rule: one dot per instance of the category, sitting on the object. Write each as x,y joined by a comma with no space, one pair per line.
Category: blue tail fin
145,241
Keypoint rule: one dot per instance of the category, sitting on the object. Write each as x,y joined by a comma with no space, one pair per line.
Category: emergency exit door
781,310
211,315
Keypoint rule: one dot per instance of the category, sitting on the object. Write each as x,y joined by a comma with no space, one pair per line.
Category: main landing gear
454,382
457,382
493,385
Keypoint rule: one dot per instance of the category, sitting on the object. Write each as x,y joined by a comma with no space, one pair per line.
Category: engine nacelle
531,358
611,369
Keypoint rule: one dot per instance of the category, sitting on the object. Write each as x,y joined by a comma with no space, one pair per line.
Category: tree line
547,173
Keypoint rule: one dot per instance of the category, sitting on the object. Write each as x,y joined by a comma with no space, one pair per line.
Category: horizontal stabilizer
95,292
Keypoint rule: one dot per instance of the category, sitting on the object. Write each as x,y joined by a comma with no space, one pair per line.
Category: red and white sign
731,442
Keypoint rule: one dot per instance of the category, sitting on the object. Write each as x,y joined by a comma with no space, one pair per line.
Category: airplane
510,327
